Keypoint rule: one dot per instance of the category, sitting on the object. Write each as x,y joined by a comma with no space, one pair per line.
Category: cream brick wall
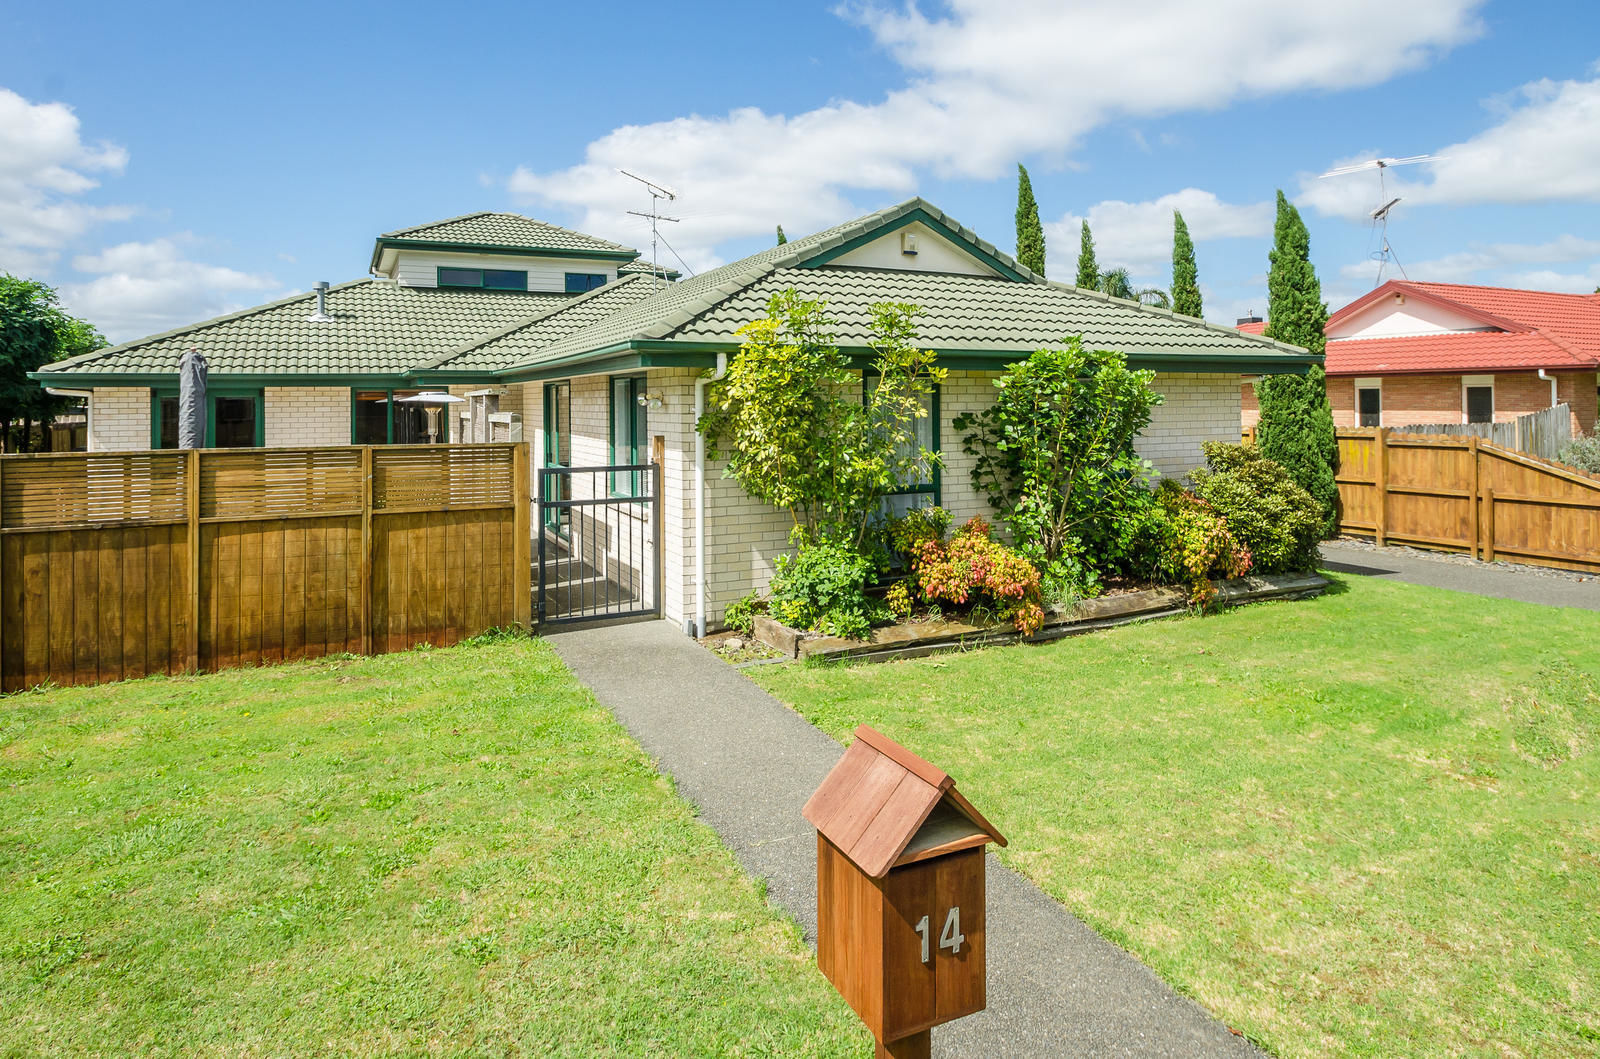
119,418
303,416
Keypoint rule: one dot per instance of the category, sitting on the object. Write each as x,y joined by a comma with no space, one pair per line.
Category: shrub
741,613
906,534
977,570
899,601
1266,510
823,587
1582,453
1193,545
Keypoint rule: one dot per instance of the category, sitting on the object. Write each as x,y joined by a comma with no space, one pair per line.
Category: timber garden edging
914,641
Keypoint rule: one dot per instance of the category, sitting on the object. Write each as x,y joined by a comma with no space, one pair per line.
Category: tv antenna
657,193
1380,216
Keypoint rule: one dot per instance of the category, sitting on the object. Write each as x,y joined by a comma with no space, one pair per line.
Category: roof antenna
657,193
1380,216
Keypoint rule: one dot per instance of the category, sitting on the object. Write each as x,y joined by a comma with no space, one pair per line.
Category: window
579,282
166,422
484,278
558,450
377,418
629,431
1369,403
923,492
233,420
1477,398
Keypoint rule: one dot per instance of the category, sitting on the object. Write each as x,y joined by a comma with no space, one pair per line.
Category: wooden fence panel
117,565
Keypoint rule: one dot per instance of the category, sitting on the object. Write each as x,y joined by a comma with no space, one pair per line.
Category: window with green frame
580,282
483,278
927,491
629,432
377,419
235,419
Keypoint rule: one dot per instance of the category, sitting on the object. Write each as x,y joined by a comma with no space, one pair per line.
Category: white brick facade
119,418
1197,408
302,416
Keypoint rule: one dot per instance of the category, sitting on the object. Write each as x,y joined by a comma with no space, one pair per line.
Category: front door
558,451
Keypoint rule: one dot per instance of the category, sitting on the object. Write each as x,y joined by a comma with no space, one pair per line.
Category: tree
1030,233
781,237
1296,425
1119,284
34,331
798,433
1088,268
1185,276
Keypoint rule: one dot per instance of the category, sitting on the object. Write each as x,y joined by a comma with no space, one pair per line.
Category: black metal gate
598,553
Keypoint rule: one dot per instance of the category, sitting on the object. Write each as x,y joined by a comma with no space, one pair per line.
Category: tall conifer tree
1030,233
1185,276
1088,268
1296,426
781,237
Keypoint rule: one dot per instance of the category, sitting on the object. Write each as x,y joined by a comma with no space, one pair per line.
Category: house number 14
949,938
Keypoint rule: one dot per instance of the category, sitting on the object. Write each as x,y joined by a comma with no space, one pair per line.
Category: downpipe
700,385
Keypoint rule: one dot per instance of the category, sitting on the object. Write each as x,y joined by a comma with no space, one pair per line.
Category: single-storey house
1409,353
600,359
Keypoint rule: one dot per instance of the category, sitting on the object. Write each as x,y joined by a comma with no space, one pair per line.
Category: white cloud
44,166
1501,263
1546,147
1138,235
146,288
987,83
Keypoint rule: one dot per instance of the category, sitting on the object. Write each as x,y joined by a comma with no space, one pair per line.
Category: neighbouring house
596,358
1418,353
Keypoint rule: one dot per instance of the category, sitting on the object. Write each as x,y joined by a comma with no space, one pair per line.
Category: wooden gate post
191,470
1472,498
366,550
1488,525
1381,456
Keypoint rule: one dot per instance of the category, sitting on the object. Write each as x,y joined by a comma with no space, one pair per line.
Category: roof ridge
483,340
90,358
1561,343
1159,311
1488,286
434,224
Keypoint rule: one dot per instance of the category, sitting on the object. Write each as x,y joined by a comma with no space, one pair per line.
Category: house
1412,353
602,360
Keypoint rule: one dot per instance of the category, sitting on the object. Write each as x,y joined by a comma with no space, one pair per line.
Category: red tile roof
1573,318
1460,351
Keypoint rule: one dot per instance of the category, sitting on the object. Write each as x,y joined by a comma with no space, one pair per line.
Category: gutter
700,385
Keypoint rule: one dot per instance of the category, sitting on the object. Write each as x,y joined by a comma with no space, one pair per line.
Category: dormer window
484,278
580,282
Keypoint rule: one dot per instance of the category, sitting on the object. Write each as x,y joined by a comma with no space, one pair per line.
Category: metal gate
598,553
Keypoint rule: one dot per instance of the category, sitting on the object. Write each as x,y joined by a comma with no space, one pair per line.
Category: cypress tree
1030,233
1185,276
781,237
1088,268
1296,427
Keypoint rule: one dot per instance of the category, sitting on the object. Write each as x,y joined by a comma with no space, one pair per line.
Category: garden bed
912,640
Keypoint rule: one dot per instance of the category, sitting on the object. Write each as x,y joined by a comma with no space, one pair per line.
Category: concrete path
1531,584
749,763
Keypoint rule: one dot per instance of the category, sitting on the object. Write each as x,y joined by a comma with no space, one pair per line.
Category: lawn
1367,824
432,852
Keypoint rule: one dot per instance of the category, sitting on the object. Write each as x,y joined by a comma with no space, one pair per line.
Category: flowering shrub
1194,545
909,532
973,568
899,601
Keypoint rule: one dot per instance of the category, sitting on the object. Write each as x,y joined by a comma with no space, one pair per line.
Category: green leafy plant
791,421
823,588
974,569
1582,453
740,615
34,331
906,534
899,601
1054,453
1193,545
1266,511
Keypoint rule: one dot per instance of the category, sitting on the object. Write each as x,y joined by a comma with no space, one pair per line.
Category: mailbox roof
877,799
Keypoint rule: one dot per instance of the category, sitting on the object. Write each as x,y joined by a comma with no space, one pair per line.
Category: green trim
382,244
553,518
158,393
953,236
634,389
438,280
219,381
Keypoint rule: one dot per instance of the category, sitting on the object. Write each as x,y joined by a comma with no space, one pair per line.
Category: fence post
191,470
1381,440
1488,525
522,536
3,623
1472,500
366,549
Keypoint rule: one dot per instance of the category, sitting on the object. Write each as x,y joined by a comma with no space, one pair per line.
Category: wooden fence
1464,494
1544,433
120,564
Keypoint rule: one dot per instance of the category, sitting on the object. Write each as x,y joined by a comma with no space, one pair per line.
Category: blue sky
162,164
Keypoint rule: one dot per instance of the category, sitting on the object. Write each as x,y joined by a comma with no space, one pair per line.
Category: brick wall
119,418
1197,408
304,416
1422,399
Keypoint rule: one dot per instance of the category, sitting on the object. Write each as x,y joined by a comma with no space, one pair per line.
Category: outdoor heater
432,401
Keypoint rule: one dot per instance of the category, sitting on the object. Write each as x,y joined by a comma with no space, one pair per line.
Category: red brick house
1409,353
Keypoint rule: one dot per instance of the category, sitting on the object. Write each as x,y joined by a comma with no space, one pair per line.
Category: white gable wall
419,268
1388,318
934,254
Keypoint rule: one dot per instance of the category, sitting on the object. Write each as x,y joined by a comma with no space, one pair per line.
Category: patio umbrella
192,400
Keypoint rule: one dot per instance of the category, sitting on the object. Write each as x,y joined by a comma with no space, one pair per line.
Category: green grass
1367,824
433,852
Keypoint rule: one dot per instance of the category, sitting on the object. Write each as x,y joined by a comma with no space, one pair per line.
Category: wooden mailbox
900,892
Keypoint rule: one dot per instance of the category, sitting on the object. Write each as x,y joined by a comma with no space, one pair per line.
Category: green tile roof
521,339
648,268
378,328
503,230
